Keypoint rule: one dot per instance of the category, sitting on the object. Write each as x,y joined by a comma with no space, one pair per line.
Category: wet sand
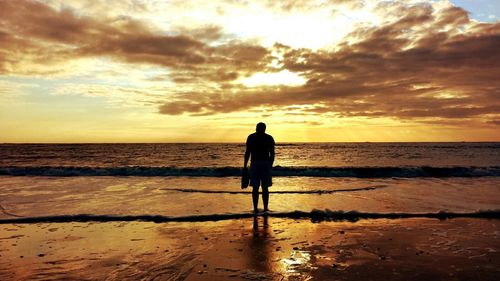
247,249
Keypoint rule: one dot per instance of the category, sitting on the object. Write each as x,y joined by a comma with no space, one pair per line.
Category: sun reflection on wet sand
297,263
262,248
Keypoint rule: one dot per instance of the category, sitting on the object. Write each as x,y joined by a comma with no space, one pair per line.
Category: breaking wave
358,172
314,215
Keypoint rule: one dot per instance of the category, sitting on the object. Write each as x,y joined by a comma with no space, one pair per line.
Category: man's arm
247,156
271,153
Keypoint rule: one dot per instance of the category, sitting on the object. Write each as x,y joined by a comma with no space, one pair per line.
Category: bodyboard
245,178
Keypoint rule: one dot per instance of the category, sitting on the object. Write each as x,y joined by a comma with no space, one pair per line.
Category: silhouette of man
260,148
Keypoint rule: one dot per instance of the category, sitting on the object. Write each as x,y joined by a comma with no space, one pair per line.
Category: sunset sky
208,71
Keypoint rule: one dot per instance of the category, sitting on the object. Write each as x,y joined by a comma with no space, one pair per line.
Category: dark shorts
260,174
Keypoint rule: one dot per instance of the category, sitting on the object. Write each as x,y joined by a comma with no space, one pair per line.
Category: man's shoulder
251,137
270,138
260,137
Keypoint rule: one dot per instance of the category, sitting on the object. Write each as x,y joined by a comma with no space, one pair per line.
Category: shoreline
314,215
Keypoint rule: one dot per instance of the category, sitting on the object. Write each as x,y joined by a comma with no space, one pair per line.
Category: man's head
261,127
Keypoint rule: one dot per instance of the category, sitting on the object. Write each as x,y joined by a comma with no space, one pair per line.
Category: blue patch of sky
44,87
41,91
481,10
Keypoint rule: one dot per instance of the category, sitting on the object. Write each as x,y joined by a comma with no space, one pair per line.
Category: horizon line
278,143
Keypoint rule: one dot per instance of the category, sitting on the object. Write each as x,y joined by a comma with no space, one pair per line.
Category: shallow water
184,196
203,179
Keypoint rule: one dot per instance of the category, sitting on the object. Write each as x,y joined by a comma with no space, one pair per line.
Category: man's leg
255,198
265,197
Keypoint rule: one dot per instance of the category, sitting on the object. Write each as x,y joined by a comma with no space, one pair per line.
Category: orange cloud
425,64
35,31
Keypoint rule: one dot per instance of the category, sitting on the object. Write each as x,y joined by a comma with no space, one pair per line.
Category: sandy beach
247,249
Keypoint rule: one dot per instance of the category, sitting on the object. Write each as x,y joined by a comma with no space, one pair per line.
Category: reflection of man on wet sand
260,247
260,148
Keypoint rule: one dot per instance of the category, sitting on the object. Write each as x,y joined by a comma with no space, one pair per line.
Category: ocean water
202,180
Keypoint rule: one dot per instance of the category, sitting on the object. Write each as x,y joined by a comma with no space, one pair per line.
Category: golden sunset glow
283,77
208,71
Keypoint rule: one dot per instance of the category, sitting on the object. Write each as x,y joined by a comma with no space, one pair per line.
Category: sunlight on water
231,154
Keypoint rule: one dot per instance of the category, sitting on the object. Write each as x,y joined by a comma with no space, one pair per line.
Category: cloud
11,92
427,63
494,122
35,33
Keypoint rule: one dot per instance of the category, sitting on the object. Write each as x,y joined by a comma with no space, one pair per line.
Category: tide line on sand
319,192
314,215
5,212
